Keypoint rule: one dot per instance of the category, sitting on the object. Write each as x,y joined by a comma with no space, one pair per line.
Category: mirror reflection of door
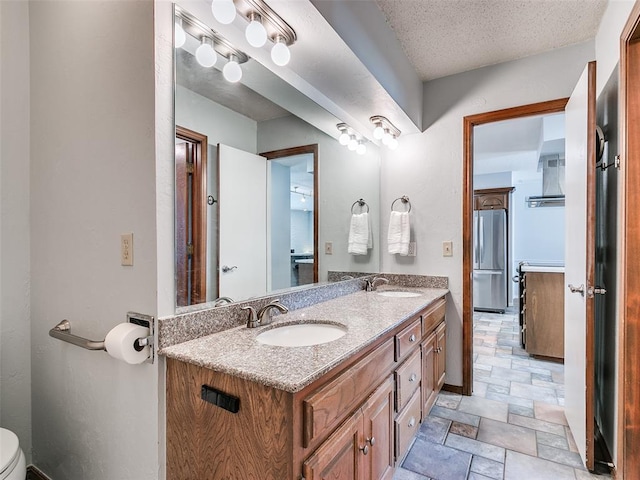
293,217
191,217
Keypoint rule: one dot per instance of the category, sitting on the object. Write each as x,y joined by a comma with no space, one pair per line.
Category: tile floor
512,428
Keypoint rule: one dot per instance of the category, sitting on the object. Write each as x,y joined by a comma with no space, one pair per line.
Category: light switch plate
328,248
447,249
126,249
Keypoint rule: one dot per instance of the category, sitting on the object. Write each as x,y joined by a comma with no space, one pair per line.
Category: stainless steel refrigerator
490,260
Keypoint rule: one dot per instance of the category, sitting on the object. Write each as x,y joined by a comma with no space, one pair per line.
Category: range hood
552,183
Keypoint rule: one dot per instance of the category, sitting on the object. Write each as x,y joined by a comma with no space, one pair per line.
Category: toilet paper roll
120,343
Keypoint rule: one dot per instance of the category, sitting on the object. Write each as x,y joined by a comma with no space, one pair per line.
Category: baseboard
452,388
33,473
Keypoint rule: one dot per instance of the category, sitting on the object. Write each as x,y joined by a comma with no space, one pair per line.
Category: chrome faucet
258,319
221,301
371,285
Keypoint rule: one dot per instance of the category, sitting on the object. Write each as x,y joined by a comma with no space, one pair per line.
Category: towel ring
361,203
403,199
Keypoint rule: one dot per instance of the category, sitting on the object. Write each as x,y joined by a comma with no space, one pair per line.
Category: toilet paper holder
62,331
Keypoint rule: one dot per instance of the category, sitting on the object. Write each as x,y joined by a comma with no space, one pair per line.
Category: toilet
12,462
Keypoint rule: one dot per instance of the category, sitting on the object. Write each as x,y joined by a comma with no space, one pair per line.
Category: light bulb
280,53
386,138
205,54
344,138
362,148
393,143
179,37
353,143
303,199
378,132
224,11
255,33
232,71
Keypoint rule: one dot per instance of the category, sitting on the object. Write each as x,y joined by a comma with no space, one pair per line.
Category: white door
579,262
243,223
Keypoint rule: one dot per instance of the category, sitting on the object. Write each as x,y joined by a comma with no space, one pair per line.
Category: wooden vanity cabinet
434,353
362,447
356,422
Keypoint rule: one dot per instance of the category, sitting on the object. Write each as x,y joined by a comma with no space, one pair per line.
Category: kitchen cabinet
492,198
542,311
357,421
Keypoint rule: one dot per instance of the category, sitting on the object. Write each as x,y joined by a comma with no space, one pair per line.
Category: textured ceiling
444,37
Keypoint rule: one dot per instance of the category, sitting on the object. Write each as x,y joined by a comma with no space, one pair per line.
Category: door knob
371,441
365,449
579,289
226,269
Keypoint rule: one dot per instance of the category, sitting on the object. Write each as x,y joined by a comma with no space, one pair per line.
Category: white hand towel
359,233
399,233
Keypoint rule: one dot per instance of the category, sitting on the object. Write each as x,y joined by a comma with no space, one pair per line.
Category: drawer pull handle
412,422
412,338
364,450
413,377
371,441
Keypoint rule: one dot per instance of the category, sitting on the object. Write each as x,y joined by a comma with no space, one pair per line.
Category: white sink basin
301,334
398,293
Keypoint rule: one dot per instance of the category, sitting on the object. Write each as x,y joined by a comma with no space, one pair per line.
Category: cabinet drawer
407,425
408,338
433,316
325,408
408,378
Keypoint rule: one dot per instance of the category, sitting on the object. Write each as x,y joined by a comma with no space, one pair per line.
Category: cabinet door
378,432
338,457
441,355
428,373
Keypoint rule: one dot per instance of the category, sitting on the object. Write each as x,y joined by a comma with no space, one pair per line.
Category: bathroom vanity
348,409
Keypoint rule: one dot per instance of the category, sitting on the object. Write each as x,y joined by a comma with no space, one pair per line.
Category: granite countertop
366,315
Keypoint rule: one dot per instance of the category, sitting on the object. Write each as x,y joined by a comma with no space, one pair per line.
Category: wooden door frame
542,108
628,449
199,209
304,149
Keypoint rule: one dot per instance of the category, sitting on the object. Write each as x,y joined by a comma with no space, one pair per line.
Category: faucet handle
252,321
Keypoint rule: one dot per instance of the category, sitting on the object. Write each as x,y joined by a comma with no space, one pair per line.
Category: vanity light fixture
264,24
211,45
280,53
179,37
205,54
385,131
223,11
232,71
351,139
255,32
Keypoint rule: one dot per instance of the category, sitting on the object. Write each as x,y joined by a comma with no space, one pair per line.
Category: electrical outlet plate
447,249
412,249
126,249
328,248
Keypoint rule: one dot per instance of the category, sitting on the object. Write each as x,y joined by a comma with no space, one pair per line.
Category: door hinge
190,249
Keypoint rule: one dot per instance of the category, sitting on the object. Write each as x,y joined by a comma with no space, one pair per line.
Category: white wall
302,231
492,180
93,177
279,226
15,327
538,233
343,178
428,167
218,123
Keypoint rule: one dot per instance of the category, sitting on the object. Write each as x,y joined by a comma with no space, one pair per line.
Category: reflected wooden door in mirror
191,216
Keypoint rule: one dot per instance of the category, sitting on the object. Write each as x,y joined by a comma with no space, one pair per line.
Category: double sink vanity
334,389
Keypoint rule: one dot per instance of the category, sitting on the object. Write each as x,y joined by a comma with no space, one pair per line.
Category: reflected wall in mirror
242,228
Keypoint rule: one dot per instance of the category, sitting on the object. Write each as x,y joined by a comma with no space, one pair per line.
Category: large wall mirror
264,191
